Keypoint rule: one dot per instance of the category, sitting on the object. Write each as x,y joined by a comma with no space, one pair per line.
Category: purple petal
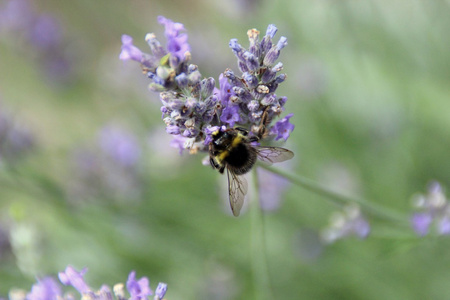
120,145
74,278
361,227
178,142
45,289
444,226
230,115
283,128
129,51
176,41
139,290
161,290
421,222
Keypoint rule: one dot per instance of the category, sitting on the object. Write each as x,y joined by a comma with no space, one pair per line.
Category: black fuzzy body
232,149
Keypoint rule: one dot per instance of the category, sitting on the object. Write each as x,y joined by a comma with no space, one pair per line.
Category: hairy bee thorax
231,148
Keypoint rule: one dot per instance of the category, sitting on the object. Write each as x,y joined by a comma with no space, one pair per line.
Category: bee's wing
237,189
272,155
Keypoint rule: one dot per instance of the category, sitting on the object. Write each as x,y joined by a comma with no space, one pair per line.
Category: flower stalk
369,207
260,266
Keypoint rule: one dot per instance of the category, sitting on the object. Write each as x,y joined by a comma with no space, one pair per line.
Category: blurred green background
368,83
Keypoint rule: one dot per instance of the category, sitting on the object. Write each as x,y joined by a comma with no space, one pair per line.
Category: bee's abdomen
241,159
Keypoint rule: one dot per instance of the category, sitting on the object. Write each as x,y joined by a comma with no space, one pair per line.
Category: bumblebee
232,150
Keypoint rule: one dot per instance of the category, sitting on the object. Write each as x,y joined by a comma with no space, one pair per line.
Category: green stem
261,275
369,207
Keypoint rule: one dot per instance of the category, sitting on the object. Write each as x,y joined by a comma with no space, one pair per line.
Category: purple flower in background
107,169
45,289
434,212
421,223
15,15
49,289
129,51
120,145
271,189
44,34
74,278
138,289
283,128
15,139
346,223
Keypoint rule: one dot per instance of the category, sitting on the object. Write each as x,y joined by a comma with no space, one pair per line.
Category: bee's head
216,133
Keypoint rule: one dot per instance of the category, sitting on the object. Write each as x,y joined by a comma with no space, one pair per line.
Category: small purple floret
421,223
45,289
230,115
129,51
138,289
74,278
176,41
283,128
161,290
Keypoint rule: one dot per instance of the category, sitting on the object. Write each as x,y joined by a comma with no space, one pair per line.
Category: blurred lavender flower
49,289
271,189
346,223
46,288
192,105
15,139
120,145
434,211
19,21
110,170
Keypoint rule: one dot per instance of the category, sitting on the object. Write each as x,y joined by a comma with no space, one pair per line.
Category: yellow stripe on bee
236,141
220,158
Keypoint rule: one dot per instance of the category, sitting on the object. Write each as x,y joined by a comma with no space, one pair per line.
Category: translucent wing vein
237,189
272,155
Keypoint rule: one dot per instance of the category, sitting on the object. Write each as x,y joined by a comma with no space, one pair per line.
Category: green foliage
368,86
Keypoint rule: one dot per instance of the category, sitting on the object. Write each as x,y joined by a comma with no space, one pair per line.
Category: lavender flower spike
192,104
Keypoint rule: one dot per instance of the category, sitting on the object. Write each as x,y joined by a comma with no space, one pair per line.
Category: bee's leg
242,130
265,120
253,139
222,168
213,163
